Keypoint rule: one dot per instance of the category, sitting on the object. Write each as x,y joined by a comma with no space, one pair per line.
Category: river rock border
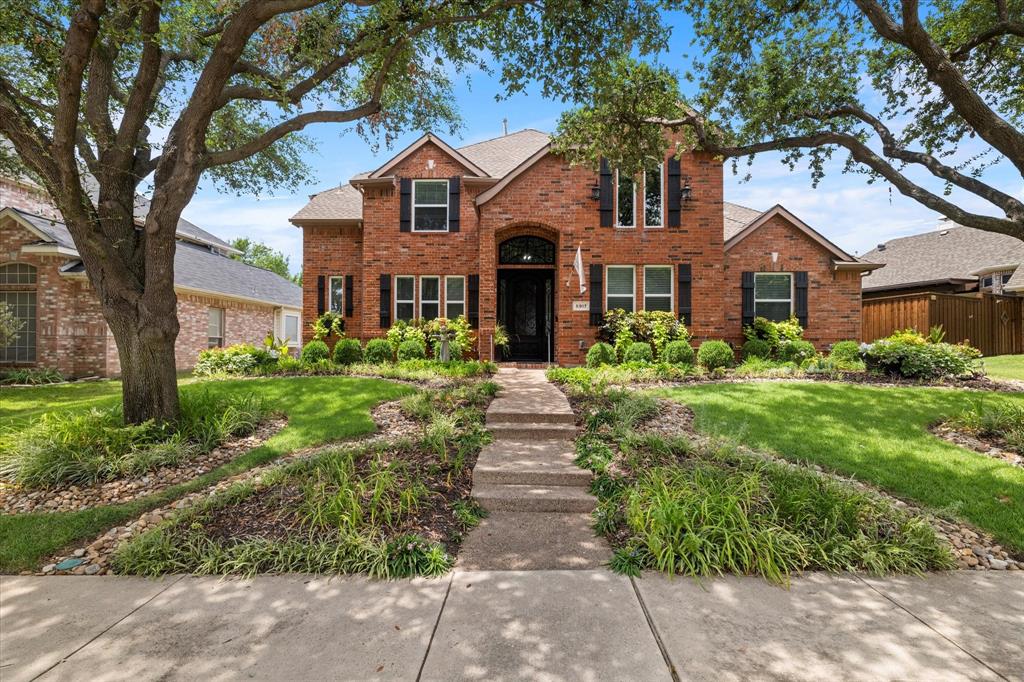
990,447
94,558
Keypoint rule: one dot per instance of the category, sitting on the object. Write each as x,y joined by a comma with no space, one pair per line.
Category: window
291,329
430,297
986,282
405,291
526,250
336,294
17,291
215,328
652,198
626,193
658,287
430,205
620,285
454,296
773,295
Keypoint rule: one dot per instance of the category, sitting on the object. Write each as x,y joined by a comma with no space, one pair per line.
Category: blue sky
853,214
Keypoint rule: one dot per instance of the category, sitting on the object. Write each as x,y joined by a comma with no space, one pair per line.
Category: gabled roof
737,217
338,203
428,138
779,210
501,155
953,253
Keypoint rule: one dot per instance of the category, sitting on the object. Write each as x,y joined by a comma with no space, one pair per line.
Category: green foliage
348,351
238,360
262,256
330,323
796,351
500,339
845,352
31,376
599,354
657,328
678,353
315,351
781,341
402,331
994,419
411,349
588,379
379,352
9,325
460,335
764,368
902,356
713,355
638,351
757,348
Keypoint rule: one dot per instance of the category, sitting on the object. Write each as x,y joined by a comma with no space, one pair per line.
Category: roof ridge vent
943,233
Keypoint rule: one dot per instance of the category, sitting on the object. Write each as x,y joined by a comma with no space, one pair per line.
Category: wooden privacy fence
991,323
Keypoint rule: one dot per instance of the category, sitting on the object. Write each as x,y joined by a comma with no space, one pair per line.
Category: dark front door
525,309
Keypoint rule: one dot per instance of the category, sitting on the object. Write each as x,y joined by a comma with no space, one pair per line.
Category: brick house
492,230
221,301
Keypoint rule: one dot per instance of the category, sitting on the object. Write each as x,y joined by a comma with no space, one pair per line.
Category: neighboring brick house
492,230
221,301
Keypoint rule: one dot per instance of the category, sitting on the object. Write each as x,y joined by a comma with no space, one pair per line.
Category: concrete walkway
543,625
536,497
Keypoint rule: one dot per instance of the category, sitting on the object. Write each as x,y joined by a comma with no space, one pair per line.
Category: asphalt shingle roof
500,155
737,217
949,253
338,203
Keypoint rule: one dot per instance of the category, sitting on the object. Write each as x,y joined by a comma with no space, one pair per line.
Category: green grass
1005,367
319,409
878,435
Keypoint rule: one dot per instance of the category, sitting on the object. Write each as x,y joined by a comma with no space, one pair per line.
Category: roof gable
429,138
779,210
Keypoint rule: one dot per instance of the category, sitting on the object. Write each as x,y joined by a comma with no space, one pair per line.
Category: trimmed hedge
678,353
348,352
599,354
713,355
411,349
315,351
378,352
639,351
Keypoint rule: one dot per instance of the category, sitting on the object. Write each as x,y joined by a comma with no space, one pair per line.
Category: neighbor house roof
196,267
950,254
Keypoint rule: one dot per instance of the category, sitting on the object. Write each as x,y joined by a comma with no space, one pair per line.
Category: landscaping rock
990,447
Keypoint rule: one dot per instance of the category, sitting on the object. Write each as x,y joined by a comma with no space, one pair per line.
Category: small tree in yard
906,92
83,85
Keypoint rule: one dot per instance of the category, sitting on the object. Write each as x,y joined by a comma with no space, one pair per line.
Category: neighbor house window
454,296
652,198
430,297
620,287
430,205
658,287
336,294
773,295
625,192
291,329
17,291
215,328
405,292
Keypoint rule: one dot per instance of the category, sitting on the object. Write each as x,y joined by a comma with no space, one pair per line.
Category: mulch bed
990,446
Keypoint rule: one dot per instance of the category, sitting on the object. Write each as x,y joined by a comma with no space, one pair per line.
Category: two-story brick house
492,230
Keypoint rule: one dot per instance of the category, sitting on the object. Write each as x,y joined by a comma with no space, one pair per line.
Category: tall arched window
18,292
526,250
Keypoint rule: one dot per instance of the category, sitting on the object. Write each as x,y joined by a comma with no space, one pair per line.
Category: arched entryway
526,296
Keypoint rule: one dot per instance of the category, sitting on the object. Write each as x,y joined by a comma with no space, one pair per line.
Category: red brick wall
26,198
334,250
833,298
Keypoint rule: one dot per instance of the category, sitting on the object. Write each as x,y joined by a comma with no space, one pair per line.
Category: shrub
289,364
908,336
777,335
907,358
460,335
796,351
240,359
655,327
600,354
378,352
715,354
402,331
678,353
33,376
315,351
412,349
845,352
757,348
639,351
348,351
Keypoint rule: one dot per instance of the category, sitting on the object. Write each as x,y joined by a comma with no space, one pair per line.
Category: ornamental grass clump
994,419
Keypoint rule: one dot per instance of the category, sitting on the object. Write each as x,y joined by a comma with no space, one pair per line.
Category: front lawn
878,435
319,410
1005,367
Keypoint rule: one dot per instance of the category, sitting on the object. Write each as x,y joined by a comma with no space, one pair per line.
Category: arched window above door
526,250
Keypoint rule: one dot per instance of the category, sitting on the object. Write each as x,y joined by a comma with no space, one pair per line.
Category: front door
525,309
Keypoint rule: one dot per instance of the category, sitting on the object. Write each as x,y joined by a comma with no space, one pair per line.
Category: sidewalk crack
430,642
654,631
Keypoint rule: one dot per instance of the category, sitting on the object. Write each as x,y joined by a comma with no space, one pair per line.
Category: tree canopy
260,255
926,98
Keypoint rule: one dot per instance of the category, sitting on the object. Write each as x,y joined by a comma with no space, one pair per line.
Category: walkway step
542,462
516,541
504,416
531,431
534,498
546,407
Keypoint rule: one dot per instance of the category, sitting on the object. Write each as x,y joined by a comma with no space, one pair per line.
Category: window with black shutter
607,197
321,295
685,271
385,301
674,192
453,204
350,306
405,205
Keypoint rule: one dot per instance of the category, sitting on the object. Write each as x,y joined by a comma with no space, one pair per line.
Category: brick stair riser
580,505
531,432
575,479
527,418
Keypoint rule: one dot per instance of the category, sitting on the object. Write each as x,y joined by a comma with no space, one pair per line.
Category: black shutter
405,205
801,298
607,199
350,305
748,298
320,291
473,302
596,294
674,192
385,301
453,204
685,293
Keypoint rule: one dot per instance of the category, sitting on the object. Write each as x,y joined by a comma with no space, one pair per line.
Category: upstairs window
405,292
653,204
621,281
625,193
336,294
215,328
430,205
773,295
658,287
430,297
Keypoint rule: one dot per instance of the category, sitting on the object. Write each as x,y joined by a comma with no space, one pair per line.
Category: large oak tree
86,86
925,98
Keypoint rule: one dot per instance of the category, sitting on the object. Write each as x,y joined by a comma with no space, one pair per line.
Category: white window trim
396,301
284,328
632,269
792,292
671,286
439,295
643,193
447,301
631,226
447,224
330,293
223,327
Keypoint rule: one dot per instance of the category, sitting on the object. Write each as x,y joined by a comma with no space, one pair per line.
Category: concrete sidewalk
546,625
